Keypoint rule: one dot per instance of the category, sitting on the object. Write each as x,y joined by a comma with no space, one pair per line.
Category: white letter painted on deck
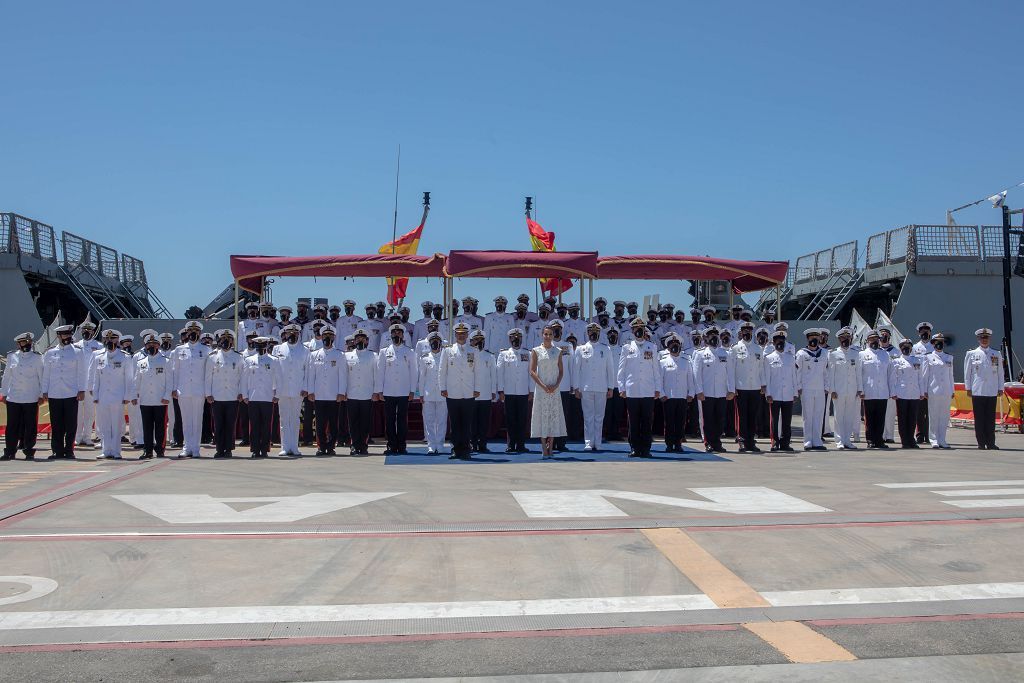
204,509
737,500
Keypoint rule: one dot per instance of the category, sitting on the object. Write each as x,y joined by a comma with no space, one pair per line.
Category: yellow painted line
698,565
799,643
796,641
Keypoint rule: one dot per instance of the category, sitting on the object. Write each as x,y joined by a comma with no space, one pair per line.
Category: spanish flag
543,240
406,244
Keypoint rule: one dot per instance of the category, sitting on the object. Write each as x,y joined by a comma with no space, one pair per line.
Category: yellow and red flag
406,244
542,240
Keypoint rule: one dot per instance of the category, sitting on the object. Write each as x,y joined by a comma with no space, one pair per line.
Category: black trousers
360,414
260,415
574,418
396,421
922,420
729,423
326,425
906,418
308,412
224,414
517,417
154,428
641,424
614,410
63,423
243,423
782,422
179,430
675,419
343,438
692,427
764,417
460,416
984,420
714,421
22,426
481,425
748,402
874,420
207,434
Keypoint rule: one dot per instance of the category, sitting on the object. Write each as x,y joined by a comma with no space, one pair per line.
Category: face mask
435,344
516,342
762,340
127,348
86,335
24,346
905,351
873,344
478,344
845,343
938,346
334,316
500,308
360,345
110,346
613,339
396,338
745,336
151,350
349,310
262,349
252,315
885,339
813,343
371,313
193,337
674,348
925,335
65,340
328,342
780,345
574,314
165,346
225,344
712,342
594,336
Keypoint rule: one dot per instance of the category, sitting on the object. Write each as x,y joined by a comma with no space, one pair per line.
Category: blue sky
183,132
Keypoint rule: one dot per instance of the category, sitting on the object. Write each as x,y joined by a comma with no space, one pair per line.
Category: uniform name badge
648,355
159,371
523,357
334,363
470,358
995,360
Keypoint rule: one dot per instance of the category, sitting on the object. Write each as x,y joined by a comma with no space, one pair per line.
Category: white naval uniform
983,371
327,374
153,381
64,371
874,373
535,335
134,412
937,384
577,327
396,371
112,384
593,374
677,378
460,373
375,329
419,330
496,327
258,378
905,377
290,384
843,378
86,409
781,381
362,374
346,325
890,408
224,375
810,367
435,408
638,374
23,377
747,365
189,370
488,376
513,372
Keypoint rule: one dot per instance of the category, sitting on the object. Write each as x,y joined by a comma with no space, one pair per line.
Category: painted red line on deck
64,499
846,525
49,489
869,621
271,535
357,640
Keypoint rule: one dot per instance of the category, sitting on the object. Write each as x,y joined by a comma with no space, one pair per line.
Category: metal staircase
767,300
98,297
832,296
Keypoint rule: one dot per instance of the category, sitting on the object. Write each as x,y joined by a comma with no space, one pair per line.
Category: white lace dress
547,418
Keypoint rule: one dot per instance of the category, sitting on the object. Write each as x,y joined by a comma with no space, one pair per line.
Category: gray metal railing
21,235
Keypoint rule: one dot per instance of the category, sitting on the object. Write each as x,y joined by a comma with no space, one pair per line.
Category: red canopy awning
746,276
250,270
521,264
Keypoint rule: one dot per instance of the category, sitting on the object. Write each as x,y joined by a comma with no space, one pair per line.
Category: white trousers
191,422
135,424
812,409
938,419
827,426
289,408
86,416
594,403
847,418
890,420
435,423
110,426
171,420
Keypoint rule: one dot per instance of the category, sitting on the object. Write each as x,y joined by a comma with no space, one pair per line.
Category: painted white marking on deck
982,492
937,484
990,503
737,500
862,596
38,586
268,614
204,509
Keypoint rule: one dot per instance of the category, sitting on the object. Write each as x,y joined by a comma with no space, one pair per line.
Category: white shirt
292,371
23,377
677,376
593,368
460,374
638,374
513,371
874,373
810,367
419,330
113,377
153,380
535,334
983,371
375,329
496,327
64,371
224,375
747,364
922,348
89,347
937,374
396,371
567,383
346,325
711,372
488,376
781,382
327,374
259,378
362,374
905,377
429,376
189,369
843,373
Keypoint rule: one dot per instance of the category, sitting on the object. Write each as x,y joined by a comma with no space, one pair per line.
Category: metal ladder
825,296
840,299
106,298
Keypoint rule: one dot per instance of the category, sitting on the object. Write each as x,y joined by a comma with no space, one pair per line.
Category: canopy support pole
778,303
448,302
236,316
731,293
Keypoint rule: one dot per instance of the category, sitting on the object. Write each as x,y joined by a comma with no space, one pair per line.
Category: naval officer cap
938,336
593,326
328,329
561,306
348,302
500,300
88,325
149,339
360,332
515,331
637,322
292,327
632,304
782,326
335,307
266,304
167,336
521,306
193,325
780,334
252,304
147,331
736,307
25,336
426,304
555,323
601,300
65,329
746,325
370,306
924,326
746,312
545,307
225,333
320,307
478,333
127,338
707,309
433,335
844,332
285,309
574,306
248,335
395,315
206,336
670,336
812,332
111,333
397,328
461,327
711,331
438,306
523,297
983,332
619,303
872,334
349,338
603,314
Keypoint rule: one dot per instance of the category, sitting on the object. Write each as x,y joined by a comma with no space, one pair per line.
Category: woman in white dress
547,420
